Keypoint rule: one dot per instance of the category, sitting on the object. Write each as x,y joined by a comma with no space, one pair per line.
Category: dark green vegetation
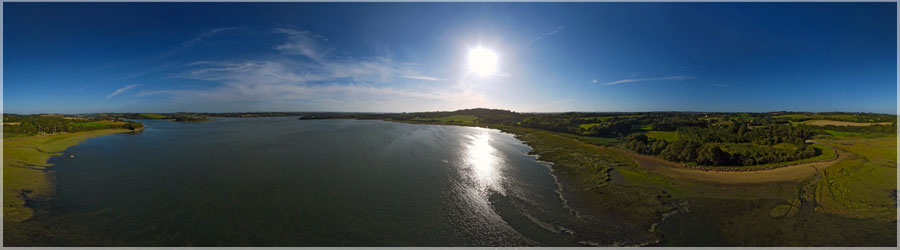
729,145
26,125
178,117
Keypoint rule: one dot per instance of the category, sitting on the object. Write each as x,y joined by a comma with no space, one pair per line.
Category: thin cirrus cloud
303,43
121,90
647,79
552,32
190,43
427,78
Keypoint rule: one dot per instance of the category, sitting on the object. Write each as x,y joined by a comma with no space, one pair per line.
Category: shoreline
25,169
570,178
568,182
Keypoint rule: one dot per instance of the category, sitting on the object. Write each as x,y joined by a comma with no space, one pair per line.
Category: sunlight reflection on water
483,163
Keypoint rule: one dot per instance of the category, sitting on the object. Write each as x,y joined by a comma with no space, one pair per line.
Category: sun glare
482,61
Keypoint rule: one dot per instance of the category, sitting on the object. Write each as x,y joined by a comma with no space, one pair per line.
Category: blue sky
396,57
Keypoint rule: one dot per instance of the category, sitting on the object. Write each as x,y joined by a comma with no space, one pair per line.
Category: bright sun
482,61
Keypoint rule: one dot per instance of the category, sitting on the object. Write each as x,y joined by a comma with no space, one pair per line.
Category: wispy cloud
594,81
427,78
327,81
554,31
190,43
303,43
720,85
648,79
121,90
272,85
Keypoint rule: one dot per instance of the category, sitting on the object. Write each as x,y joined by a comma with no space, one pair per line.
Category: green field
24,165
841,133
795,116
599,141
153,116
587,126
863,186
595,118
644,127
669,136
100,123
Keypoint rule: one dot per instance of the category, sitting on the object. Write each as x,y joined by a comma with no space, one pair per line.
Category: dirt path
789,173
783,174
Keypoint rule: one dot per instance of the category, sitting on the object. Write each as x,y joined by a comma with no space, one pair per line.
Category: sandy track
783,174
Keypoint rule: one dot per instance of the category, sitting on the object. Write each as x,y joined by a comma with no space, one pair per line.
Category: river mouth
285,182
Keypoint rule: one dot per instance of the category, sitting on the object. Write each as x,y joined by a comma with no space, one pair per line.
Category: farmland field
841,123
663,135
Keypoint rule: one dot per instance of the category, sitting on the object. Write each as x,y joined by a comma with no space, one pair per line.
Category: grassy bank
24,169
863,186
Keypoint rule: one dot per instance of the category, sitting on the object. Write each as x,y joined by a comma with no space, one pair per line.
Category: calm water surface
287,182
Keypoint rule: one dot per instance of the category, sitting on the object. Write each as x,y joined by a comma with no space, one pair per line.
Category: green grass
466,119
595,118
669,136
153,116
858,188
600,141
863,185
785,146
587,126
841,133
13,135
795,116
24,162
644,127
100,123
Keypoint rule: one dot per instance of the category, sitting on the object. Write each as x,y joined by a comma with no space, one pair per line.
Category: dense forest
49,124
735,144
178,117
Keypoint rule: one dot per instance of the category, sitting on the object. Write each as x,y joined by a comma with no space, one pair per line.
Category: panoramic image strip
449,124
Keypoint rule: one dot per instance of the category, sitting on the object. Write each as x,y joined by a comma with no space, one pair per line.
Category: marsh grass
24,169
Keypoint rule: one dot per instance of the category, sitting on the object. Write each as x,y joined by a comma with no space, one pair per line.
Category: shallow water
287,182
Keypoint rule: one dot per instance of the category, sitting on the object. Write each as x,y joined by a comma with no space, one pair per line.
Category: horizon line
397,112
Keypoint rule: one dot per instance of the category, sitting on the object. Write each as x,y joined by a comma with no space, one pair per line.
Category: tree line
731,145
35,124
